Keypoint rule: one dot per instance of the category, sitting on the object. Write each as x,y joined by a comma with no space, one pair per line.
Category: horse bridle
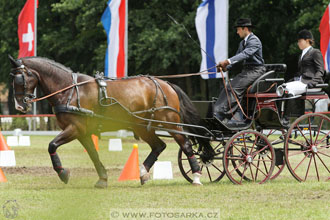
18,75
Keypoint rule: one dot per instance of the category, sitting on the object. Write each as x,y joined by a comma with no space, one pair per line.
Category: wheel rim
212,169
307,150
249,156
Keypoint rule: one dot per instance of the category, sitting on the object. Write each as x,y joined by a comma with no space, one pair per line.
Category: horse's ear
14,62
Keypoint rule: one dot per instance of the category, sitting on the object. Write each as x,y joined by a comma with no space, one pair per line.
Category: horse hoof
101,184
64,175
144,178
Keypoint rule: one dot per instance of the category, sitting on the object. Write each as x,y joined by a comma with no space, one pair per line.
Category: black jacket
311,67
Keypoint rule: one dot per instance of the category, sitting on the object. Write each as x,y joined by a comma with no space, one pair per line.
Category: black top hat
305,34
243,22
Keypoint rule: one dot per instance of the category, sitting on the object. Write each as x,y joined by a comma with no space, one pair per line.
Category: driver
250,53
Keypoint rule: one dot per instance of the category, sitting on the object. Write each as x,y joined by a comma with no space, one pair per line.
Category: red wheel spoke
323,163
300,152
324,137
318,132
234,158
310,130
303,135
259,169
300,162
237,167
257,166
264,160
243,174
309,164
239,150
317,171
323,154
253,155
252,173
255,141
243,138
295,142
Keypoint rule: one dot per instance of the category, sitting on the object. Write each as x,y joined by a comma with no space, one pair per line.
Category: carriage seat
264,83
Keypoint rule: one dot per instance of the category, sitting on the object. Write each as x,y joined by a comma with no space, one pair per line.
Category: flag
212,28
114,21
325,38
27,29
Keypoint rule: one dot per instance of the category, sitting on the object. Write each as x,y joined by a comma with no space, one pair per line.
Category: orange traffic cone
3,143
95,141
2,176
131,168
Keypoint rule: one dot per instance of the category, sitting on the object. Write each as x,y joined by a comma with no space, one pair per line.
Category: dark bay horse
137,94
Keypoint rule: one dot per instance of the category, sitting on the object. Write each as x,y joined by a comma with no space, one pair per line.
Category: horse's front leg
67,135
88,144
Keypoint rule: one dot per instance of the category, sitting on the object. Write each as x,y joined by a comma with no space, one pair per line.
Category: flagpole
126,37
35,54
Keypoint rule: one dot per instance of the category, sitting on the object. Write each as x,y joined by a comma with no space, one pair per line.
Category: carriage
258,149
253,151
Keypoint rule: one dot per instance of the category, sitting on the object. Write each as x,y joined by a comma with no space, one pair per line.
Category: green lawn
41,195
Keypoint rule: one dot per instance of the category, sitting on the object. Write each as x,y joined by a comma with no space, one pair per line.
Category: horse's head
25,81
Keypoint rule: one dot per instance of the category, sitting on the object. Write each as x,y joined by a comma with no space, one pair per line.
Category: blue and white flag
212,28
114,20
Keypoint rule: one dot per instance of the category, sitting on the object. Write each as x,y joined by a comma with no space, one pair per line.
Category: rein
59,91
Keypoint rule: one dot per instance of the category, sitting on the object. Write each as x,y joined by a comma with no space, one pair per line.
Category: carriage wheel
249,156
307,148
279,152
212,168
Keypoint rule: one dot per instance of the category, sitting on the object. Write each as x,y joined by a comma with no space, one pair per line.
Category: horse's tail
190,115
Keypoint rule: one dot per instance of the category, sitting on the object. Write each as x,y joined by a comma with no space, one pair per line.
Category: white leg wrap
196,179
144,175
143,170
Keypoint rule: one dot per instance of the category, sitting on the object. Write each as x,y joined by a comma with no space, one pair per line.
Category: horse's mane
50,62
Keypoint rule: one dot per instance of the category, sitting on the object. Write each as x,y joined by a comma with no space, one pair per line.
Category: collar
305,51
245,39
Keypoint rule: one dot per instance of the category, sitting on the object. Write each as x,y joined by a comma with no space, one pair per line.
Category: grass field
41,195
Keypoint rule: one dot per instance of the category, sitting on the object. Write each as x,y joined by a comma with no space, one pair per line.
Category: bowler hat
305,34
243,22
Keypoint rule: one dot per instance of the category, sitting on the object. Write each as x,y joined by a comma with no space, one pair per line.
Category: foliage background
70,32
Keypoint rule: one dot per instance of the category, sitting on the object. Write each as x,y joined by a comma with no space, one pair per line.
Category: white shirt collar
245,39
305,51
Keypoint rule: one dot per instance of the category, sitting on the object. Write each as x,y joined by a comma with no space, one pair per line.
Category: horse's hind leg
88,144
67,135
157,146
186,147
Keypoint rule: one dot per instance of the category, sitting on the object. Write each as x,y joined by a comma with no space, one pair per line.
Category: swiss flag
26,29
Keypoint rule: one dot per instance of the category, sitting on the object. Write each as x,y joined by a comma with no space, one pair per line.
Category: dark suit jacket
250,53
311,67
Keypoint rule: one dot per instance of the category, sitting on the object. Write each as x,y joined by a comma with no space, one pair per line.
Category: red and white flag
27,29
